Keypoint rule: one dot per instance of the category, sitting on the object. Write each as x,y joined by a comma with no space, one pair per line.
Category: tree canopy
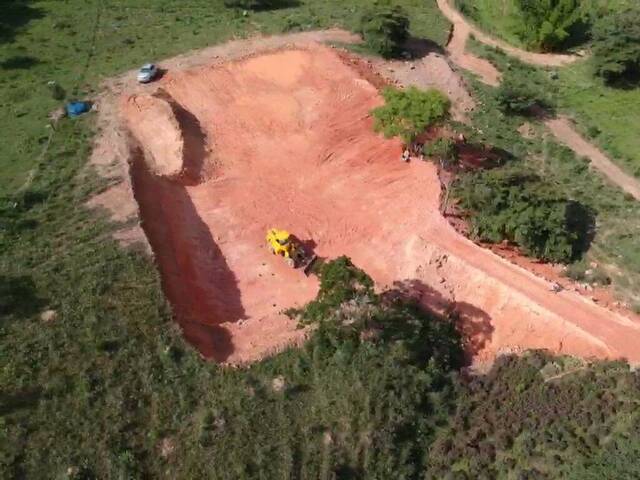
616,47
514,204
546,24
384,28
408,113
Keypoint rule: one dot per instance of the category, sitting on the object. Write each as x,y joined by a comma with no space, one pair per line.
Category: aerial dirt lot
283,138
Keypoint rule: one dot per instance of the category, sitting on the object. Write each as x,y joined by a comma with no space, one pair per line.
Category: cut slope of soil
293,137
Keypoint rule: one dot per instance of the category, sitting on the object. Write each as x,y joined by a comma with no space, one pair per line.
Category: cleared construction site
219,153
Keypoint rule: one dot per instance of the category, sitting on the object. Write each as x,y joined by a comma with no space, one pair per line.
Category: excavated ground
286,141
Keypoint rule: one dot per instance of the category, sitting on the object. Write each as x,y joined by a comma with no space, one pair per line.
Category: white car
147,73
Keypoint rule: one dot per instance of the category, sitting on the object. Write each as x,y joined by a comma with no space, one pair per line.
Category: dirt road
564,131
462,30
560,127
295,149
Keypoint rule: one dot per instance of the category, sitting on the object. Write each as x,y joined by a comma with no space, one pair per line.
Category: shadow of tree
196,278
473,323
14,16
19,298
421,47
19,62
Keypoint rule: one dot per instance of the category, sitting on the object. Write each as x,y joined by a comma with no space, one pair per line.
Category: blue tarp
75,109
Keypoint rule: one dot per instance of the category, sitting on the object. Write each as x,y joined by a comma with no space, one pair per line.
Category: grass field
606,115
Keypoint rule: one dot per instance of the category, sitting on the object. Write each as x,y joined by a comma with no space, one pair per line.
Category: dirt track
560,127
294,148
462,30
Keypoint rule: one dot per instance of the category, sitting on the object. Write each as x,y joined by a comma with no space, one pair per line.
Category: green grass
607,115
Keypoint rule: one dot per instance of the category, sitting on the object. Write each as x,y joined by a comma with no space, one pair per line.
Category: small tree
519,94
408,113
385,29
546,24
616,49
443,150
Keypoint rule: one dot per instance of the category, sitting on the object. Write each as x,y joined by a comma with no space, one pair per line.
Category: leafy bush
442,149
576,423
616,49
519,93
514,204
408,113
546,24
384,28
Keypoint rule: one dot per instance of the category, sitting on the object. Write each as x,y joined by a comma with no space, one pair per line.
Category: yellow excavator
281,242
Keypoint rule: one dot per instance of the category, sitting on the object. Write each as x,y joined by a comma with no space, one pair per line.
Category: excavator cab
281,242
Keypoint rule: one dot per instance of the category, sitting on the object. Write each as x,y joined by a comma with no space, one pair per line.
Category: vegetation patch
408,113
514,204
385,29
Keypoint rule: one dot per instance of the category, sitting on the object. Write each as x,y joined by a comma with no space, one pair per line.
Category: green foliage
384,28
443,150
340,281
546,23
543,417
408,113
616,46
515,204
257,4
519,93
533,24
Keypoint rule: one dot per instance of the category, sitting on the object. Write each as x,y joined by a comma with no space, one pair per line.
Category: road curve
463,26
561,126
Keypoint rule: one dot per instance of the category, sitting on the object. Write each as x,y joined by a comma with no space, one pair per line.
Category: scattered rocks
167,447
49,316
278,384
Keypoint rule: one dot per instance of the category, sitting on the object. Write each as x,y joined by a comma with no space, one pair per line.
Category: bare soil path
464,28
560,127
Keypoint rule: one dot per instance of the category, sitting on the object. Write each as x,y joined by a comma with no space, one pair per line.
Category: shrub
516,205
385,29
442,149
518,93
408,113
546,24
616,49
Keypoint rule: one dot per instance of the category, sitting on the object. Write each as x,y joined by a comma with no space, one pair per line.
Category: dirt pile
296,150
153,124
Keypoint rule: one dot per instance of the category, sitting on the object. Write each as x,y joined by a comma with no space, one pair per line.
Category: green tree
408,113
443,150
516,205
519,93
384,28
616,49
546,24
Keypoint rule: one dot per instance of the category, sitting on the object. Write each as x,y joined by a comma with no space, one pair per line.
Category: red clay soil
295,146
